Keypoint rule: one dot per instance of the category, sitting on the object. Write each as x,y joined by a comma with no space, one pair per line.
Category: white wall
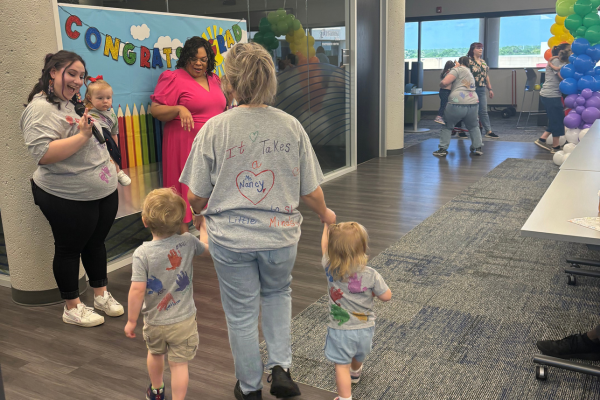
426,8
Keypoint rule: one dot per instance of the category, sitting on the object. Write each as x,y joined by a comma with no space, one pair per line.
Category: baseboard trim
396,152
43,297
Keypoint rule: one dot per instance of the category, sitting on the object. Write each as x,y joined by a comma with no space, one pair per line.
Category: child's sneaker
439,120
155,394
109,305
82,316
355,375
124,180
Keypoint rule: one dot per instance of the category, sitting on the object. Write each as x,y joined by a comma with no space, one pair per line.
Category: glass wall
411,40
523,40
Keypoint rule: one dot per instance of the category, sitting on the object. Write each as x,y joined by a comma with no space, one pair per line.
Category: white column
394,76
28,34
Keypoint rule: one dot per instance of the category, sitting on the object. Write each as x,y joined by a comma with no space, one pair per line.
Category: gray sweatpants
467,113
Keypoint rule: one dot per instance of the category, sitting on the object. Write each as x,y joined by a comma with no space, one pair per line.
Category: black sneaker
477,151
542,143
575,346
555,149
440,153
155,394
282,384
492,135
239,395
462,135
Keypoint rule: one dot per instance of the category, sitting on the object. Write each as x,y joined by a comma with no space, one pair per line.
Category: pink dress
176,88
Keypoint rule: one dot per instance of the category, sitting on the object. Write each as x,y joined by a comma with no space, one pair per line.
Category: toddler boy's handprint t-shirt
351,299
166,267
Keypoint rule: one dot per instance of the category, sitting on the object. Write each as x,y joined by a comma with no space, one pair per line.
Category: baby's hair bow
98,78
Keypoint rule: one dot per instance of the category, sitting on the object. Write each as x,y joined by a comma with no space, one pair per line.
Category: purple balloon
581,125
570,100
580,109
573,112
586,93
590,115
596,94
580,101
586,126
572,120
593,102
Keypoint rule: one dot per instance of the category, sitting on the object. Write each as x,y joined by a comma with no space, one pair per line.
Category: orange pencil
130,139
136,135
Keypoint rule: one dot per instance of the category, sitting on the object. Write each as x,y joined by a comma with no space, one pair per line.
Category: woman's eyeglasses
203,60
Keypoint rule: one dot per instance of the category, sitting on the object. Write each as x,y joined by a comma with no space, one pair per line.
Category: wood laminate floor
43,358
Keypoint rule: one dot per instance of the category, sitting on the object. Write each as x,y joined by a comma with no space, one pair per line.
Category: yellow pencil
144,135
136,135
130,139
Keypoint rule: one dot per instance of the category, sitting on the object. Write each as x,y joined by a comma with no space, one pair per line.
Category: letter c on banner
88,38
73,19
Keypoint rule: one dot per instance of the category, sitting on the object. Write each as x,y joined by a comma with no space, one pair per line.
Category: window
447,40
411,41
523,40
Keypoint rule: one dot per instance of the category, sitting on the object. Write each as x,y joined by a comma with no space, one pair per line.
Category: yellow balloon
311,52
299,33
556,29
560,20
311,41
289,38
563,38
553,41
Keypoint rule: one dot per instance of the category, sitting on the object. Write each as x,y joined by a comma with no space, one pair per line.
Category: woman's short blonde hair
347,249
250,71
163,211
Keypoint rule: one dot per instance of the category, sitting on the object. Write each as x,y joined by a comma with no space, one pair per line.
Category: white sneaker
109,305
124,180
82,316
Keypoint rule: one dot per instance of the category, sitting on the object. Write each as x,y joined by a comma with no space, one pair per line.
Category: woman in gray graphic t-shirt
251,165
75,185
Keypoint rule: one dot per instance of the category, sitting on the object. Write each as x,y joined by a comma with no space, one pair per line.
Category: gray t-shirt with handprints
253,164
351,299
166,267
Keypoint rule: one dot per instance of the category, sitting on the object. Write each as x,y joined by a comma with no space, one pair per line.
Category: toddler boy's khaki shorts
179,341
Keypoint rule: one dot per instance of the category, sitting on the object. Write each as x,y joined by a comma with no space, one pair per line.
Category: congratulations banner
130,49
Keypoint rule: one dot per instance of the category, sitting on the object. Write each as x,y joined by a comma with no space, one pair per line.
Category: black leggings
79,229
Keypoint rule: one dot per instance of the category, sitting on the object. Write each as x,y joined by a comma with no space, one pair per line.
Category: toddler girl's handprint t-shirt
351,299
253,164
463,87
166,267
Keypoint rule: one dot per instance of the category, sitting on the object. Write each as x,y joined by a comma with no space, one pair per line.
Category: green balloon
274,18
581,31
572,9
562,8
281,12
583,7
595,4
282,27
573,22
593,34
296,24
591,19
269,36
274,44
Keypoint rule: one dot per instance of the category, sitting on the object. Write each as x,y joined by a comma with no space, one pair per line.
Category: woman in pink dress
185,99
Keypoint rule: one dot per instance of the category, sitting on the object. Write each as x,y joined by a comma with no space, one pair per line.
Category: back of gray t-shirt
86,175
166,267
351,299
254,164
463,87
552,82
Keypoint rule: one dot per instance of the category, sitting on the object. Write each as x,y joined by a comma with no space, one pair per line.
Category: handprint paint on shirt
105,174
339,314
328,274
354,285
182,281
336,294
361,316
174,259
167,302
154,285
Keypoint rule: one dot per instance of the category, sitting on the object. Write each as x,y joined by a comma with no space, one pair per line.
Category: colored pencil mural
140,136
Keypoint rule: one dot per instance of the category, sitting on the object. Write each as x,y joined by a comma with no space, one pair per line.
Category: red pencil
122,139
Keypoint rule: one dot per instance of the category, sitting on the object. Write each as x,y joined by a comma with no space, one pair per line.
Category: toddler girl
98,99
352,286
444,93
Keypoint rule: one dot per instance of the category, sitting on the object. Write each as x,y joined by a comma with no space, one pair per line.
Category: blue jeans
455,113
250,282
556,115
444,94
483,112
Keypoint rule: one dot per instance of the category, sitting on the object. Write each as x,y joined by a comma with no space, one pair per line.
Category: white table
586,156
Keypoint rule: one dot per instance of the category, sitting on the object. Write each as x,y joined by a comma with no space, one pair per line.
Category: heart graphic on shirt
253,136
255,187
218,210
296,171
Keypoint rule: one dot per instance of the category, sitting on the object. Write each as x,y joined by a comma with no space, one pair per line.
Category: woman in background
480,69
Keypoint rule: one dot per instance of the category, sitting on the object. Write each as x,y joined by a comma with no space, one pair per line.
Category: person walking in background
462,105
444,92
480,70
322,56
185,99
551,98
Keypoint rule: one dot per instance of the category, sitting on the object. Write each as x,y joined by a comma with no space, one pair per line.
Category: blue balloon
591,72
597,70
594,52
586,82
596,84
580,46
567,71
583,63
577,75
572,58
568,86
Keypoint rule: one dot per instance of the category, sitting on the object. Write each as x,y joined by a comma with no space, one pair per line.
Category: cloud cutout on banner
165,41
140,32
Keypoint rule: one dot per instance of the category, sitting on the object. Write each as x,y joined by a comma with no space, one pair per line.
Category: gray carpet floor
506,128
470,299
